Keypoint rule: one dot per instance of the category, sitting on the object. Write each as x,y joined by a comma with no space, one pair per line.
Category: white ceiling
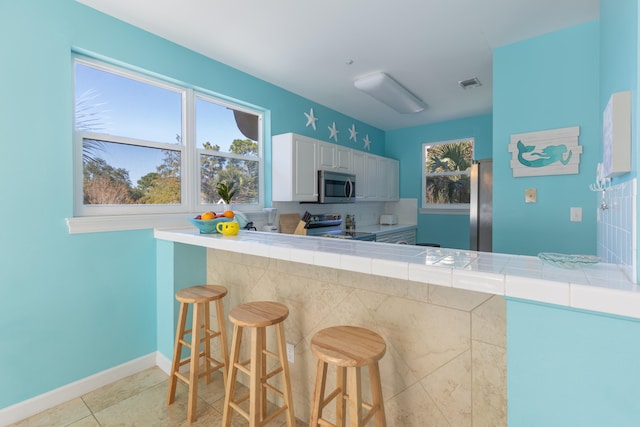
304,46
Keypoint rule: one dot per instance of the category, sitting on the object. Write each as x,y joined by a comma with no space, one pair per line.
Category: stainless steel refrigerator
480,214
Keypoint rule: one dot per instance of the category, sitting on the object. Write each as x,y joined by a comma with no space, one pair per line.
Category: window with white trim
446,169
146,146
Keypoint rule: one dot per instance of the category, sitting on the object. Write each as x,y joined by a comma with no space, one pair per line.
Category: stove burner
330,225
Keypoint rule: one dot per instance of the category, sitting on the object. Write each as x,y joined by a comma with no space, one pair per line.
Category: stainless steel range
330,225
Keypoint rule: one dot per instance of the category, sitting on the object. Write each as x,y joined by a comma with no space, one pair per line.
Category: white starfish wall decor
333,132
367,143
353,134
311,120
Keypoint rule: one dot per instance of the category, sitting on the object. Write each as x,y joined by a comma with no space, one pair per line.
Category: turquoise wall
619,65
75,305
545,83
571,367
178,266
450,231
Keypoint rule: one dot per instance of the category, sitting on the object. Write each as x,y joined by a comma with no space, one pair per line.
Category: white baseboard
37,404
163,363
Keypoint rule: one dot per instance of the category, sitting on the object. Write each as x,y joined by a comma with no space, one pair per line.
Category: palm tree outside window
446,176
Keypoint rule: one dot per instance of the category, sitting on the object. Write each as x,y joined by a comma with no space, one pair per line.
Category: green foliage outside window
447,172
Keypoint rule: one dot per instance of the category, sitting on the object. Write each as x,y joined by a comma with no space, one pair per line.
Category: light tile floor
140,400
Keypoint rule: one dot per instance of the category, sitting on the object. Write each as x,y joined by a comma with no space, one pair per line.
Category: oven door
336,187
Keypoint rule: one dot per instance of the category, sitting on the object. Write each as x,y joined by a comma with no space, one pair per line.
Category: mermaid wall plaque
549,152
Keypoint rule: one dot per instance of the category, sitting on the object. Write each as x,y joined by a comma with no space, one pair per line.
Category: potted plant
226,193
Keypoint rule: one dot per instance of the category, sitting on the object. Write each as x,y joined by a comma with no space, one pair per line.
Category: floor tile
61,415
149,408
120,390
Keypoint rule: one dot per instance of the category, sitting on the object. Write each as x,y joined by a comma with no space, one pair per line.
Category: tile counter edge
602,287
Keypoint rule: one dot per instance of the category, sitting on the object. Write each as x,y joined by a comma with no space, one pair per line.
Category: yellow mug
228,228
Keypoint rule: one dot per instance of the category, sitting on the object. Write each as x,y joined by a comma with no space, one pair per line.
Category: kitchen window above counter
144,147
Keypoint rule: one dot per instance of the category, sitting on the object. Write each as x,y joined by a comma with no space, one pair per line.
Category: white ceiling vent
470,83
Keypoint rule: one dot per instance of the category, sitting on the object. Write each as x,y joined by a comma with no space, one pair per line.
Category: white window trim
438,208
164,216
453,209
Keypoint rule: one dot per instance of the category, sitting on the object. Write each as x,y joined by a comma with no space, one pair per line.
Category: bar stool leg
318,394
376,393
282,353
224,350
355,397
177,353
206,328
231,375
255,380
341,403
193,370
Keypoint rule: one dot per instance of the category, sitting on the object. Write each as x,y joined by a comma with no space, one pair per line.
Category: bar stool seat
258,316
201,335
349,348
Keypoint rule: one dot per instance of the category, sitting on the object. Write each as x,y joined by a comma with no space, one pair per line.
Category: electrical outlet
291,350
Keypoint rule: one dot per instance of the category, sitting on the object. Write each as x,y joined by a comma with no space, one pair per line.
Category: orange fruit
228,214
208,215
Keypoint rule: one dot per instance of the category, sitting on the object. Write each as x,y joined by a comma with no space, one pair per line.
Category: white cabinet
359,170
388,179
334,157
294,174
343,159
372,177
296,160
377,177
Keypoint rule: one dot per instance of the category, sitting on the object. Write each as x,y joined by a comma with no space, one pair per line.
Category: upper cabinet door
359,170
373,177
294,175
327,154
343,159
306,175
334,157
388,179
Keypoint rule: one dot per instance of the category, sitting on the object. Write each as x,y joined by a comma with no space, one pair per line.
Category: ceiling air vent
470,83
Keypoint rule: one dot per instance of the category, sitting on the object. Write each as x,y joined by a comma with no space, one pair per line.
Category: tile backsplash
367,213
617,225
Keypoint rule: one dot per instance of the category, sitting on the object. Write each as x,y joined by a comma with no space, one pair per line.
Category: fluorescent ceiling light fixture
386,90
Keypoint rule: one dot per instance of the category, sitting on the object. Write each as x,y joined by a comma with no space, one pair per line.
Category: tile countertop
598,287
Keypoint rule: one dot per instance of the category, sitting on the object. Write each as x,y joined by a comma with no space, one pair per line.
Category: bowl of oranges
207,221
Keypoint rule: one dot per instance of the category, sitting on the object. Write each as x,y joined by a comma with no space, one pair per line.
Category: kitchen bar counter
599,287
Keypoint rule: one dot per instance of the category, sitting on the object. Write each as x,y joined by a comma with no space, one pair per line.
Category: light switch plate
530,195
576,214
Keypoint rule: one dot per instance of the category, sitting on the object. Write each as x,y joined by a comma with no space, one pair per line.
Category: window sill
97,224
444,211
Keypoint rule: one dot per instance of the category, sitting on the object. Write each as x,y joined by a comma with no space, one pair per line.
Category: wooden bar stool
201,336
348,348
258,316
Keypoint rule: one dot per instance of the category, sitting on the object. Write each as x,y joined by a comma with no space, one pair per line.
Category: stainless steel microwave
336,187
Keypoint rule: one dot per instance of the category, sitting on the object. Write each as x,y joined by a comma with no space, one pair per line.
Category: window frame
442,208
229,155
90,218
